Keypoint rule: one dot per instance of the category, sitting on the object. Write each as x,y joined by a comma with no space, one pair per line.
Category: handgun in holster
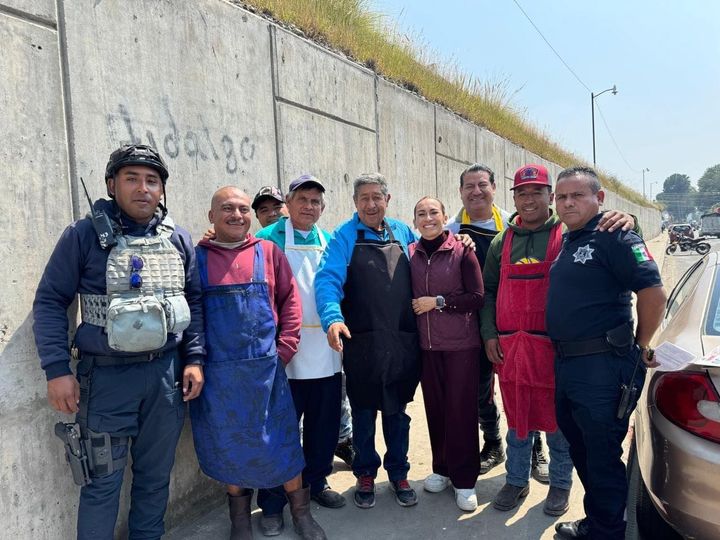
75,452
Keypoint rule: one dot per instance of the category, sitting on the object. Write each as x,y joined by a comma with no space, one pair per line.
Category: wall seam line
331,116
276,106
454,158
67,109
377,123
28,17
435,153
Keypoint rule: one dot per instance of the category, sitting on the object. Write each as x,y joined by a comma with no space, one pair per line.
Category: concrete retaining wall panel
187,92
333,151
491,152
454,137
407,156
449,190
41,10
318,79
34,210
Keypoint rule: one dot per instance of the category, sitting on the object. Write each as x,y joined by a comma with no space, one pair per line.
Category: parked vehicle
686,244
674,464
710,225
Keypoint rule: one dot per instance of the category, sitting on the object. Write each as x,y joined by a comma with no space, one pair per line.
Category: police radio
101,223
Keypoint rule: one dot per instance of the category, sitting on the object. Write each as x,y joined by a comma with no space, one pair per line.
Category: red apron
527,375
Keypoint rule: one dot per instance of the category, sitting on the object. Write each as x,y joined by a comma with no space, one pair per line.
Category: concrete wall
228,98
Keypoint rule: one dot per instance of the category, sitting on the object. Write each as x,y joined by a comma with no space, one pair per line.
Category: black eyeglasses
136,264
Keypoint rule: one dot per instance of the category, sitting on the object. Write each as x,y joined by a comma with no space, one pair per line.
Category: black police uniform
589,296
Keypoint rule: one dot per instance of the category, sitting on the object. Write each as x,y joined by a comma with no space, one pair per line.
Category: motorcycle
689,244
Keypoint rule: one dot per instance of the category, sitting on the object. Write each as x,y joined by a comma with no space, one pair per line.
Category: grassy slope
349,26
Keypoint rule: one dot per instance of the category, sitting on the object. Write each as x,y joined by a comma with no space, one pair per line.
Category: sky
663,56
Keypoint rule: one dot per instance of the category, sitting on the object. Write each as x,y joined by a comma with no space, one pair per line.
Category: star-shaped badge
583,254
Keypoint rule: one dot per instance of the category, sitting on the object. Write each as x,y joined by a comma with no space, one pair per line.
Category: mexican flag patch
641,253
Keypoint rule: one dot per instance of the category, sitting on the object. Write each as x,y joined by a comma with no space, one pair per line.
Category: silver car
674,463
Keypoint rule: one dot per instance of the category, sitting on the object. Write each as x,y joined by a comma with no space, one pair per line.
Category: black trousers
488,415
317,402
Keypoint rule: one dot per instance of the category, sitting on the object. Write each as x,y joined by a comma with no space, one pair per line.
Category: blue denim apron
244,423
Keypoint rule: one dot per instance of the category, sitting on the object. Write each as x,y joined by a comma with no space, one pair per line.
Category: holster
75,452
621,339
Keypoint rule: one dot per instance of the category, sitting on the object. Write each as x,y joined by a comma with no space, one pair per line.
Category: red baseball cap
531,174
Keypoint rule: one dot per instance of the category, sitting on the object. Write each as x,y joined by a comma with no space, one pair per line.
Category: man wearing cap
363,294
513,330
140,343
599,356
269,205
314,372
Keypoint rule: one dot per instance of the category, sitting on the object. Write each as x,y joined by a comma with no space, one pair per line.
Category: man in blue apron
245,428
314,372
132,268
363,294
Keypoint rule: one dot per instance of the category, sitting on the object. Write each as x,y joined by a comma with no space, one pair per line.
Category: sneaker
509,497
365,492
345,451
435,483
540,469
404,494
466,499
329,498
491,456
557,501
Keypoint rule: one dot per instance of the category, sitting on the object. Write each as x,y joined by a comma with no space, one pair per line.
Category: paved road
436,516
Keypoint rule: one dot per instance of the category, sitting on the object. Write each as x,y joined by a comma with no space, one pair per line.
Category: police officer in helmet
140,343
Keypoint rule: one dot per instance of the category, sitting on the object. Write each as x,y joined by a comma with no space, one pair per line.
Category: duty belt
103,361
566,349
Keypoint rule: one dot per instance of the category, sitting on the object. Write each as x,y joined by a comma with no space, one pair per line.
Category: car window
685,287
712,320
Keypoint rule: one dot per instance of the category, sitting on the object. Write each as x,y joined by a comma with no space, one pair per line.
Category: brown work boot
305,525
240,516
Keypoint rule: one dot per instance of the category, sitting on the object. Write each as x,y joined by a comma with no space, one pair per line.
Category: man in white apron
314,372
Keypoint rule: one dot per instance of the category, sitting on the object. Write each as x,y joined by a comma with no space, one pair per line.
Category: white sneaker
435,483
466,499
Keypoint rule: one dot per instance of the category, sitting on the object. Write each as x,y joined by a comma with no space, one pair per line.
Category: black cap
267,192
136,154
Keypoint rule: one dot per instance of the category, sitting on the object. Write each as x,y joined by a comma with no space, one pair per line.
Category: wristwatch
439,302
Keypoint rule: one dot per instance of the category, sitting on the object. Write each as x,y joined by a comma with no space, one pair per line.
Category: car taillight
677,396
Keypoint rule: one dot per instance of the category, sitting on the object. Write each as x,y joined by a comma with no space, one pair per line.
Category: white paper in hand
671,357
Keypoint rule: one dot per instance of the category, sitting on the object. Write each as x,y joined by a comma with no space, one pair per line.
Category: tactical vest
145,300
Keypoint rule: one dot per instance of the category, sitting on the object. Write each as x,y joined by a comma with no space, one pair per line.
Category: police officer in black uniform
141,343
600,360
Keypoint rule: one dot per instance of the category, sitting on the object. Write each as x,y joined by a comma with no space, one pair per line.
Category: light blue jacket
332,273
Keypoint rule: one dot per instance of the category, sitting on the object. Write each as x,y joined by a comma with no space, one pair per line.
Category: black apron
382,359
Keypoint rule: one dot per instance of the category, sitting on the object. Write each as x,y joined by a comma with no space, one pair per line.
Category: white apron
314,359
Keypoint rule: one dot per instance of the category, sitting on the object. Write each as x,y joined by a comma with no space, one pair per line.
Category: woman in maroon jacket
448,291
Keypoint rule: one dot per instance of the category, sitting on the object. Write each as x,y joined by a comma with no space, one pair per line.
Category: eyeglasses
136,264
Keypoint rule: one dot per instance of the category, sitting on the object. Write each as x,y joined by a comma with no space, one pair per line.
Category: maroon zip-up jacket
453,272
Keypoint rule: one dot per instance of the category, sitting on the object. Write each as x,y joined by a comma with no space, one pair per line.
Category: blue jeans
396,431
519,457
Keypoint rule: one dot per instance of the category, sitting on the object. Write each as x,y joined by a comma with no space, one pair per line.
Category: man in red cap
516,275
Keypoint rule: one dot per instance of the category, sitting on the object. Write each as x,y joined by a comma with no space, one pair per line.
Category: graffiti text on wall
197,143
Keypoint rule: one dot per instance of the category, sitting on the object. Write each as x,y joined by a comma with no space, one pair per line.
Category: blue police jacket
591,281
332,272
77,265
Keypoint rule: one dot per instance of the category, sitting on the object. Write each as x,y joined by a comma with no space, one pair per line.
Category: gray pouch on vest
136,324
177,312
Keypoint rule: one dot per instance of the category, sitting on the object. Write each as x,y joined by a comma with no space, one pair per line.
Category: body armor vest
145,300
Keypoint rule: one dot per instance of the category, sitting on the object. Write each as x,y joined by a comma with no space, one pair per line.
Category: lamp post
651,188
644,171
592,109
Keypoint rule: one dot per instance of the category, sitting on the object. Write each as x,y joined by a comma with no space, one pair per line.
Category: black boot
345,451
305,525
491,455
240,516
540,465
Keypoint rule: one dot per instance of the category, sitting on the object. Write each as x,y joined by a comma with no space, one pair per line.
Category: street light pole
592,109
644,171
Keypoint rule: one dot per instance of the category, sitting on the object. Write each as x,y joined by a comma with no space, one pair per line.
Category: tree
709,188
678,195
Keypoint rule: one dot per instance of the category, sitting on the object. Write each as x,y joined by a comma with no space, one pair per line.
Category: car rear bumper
682,474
